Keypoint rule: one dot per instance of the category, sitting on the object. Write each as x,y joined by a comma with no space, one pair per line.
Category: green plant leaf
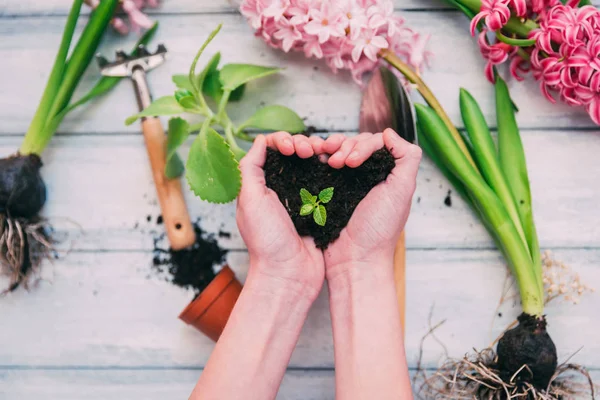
326,195
212,170
186,99
276,118
306,197
233,76
182,82
212,88
174,168
306,209
166,105
209,69
320,215
179,130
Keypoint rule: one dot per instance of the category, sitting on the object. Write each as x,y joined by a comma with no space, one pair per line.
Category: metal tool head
124,65
386,104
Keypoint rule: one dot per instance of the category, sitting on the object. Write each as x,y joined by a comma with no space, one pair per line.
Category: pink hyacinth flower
495,12
368,43
288,34
325,23
495,54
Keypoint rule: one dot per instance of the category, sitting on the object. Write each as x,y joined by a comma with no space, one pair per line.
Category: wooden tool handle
170,197
400,277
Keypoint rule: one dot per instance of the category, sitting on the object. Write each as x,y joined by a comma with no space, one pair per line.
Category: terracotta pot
210,311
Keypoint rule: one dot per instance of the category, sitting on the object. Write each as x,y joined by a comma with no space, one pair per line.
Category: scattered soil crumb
159,220
192,268
148,217
225,235
448,199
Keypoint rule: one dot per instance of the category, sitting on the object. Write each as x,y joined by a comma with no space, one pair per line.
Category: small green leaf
212,170
212,88
166,105
276,118
326,195
182,82
306,197
306,209
320,215
179,130
237,93
174,168
209,69
234,75
186,99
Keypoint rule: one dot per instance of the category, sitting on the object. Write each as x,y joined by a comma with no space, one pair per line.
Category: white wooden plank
60,7
110,310
140,384
327,101
100,194
147,384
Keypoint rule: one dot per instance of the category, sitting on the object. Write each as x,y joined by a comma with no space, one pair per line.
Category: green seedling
314,204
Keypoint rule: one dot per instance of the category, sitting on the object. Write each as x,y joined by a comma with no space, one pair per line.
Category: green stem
243,135
55,78
519,27
427,94
221,108
515,42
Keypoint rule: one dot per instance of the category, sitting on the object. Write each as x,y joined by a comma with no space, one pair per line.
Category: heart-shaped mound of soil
286,175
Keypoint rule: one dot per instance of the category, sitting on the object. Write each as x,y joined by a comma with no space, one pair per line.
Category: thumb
251,166
403,177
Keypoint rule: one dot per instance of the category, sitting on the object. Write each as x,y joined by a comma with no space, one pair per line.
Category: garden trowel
385,104
178,226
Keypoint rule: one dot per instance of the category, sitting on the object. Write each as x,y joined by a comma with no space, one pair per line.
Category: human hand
275,248
370,237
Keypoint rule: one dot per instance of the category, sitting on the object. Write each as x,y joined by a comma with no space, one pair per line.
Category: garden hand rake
180,231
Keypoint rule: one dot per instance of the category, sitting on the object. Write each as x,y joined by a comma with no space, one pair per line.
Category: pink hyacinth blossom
325,23
347,34
276,9
368,44
495,54
564,55
495,12
288,34
136,18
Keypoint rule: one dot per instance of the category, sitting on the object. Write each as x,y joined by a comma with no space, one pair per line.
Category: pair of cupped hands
277,251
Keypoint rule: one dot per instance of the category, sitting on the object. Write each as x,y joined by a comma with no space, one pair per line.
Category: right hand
370,237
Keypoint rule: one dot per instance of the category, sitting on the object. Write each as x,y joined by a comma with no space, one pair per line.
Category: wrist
356,278
281,281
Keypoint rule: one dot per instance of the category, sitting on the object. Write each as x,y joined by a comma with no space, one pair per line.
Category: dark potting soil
191,268
286,175
22,190
527,344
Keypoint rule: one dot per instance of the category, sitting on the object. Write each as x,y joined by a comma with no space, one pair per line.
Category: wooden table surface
99,324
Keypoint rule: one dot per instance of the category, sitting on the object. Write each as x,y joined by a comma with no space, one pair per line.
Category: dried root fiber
24,243
476,377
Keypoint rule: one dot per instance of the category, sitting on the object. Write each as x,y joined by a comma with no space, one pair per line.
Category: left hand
275,248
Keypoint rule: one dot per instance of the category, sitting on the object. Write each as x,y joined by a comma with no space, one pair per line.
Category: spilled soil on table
286,175
191,268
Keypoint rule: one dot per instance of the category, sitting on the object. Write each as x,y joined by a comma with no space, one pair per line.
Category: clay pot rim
197,307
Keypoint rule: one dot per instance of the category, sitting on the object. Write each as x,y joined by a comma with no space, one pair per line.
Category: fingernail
288,142
353,155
